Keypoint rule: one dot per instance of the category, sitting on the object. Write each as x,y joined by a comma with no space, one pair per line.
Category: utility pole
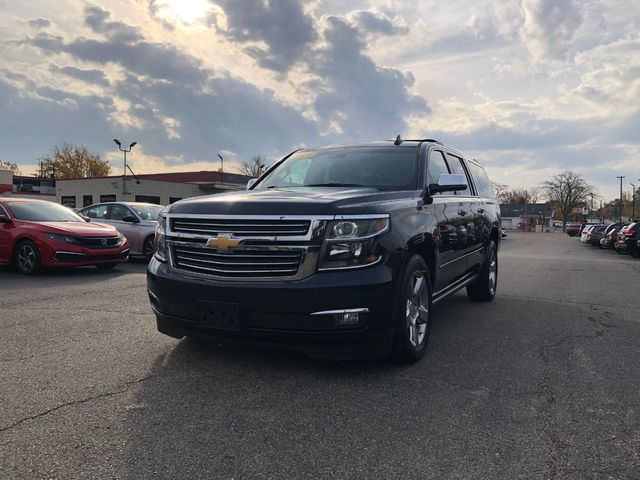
620,202
591,212
633,205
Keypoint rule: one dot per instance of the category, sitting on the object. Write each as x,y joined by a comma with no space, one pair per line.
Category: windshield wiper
335,184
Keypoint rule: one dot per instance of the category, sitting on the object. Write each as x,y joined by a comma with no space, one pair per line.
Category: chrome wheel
493,274
26,258
417,309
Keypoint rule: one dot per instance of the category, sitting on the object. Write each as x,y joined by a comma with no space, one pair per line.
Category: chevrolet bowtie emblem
223,243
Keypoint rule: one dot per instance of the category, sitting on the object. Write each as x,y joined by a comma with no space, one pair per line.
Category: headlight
350,243
62,238
160,241
120,238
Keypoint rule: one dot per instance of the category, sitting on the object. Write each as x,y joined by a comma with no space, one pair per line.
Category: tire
26,257
148,247
483,289
106,266
413,313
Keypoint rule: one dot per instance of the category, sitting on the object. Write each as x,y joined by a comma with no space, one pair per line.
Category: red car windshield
41,211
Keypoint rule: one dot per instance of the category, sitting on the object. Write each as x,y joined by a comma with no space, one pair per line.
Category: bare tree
253,168
10,166
500,189
568,190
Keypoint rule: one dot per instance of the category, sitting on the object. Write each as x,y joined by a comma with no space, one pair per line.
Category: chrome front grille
238,264
240,227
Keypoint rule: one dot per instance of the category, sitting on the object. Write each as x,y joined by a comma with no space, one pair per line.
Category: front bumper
280,314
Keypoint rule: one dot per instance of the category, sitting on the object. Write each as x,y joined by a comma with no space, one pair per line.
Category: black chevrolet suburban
338,251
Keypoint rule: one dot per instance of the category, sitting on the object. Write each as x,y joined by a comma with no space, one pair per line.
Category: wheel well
428,253
495,236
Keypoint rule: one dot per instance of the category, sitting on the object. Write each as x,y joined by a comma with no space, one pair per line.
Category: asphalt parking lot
541,383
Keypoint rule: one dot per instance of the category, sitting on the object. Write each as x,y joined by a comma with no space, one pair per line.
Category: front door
5,239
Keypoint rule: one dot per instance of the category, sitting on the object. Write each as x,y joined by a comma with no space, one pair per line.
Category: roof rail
399,140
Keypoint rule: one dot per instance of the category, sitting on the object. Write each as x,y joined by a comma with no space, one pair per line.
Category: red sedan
39,233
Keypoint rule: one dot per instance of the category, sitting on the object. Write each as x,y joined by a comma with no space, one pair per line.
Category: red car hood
79,229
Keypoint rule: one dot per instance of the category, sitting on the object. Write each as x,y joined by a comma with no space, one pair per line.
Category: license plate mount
219,315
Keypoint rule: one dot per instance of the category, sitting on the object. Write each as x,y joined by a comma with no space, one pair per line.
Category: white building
159,188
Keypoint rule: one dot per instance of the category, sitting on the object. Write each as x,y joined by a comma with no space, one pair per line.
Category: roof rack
399,140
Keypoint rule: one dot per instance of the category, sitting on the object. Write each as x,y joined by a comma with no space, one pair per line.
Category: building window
87,200
174,199
148,199
107,198
68,201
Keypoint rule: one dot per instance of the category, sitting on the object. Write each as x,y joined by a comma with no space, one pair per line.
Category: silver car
136,221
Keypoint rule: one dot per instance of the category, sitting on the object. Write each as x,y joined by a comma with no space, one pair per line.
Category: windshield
145,211
41,212
384,168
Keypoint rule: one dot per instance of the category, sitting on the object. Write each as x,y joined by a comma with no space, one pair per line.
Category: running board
453,288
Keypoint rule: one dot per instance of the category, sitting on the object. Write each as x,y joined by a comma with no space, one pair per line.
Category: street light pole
221,169
125,166
620,201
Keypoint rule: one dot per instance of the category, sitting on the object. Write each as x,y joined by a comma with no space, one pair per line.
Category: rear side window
99,211
481,180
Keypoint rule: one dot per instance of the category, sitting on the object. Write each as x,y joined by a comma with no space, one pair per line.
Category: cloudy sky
529,87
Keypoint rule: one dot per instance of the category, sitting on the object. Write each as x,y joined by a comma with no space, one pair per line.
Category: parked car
339,250
573,229
595,235
610,235
39,233
585,232
136,221
628,238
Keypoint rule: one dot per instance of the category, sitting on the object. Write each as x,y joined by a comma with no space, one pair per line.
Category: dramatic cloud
529,87
282,26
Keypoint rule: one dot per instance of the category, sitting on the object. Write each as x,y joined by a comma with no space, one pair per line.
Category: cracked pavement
541,383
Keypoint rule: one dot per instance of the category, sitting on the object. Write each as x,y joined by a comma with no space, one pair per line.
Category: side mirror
5,219
84,217
130,219
251,182
453,182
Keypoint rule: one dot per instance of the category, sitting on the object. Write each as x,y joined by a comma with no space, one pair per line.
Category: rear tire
413,313
483,289
26,257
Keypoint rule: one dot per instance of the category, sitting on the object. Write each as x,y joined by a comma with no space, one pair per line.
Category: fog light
349,318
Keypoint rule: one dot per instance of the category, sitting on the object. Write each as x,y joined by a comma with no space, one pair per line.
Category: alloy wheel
493,273
417,309
26,258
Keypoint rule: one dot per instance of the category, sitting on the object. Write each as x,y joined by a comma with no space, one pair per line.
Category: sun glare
188,11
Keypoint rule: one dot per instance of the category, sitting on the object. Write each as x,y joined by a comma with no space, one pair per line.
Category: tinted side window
437,167
118,212
99,211
481,180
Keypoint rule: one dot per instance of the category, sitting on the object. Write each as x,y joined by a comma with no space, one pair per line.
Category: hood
294,201
80,229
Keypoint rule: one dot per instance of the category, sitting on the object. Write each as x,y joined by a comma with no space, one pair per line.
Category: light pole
221,169
633,205
124,175
591,212
620,202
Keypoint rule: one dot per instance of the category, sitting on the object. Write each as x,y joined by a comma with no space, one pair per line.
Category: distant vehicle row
621,237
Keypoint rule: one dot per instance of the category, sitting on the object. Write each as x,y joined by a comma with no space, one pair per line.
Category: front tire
413,313
483,289
26,258
148,248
